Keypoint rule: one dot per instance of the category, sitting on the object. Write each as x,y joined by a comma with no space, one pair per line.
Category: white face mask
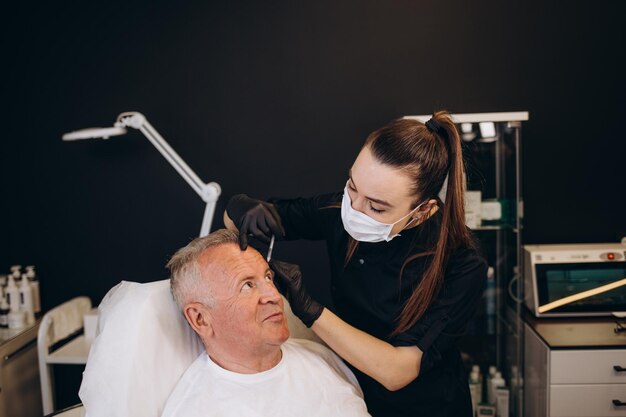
362,227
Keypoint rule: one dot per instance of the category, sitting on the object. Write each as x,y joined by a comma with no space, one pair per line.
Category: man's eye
247,285
269,277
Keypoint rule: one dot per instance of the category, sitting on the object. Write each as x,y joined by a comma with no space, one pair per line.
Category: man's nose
269,293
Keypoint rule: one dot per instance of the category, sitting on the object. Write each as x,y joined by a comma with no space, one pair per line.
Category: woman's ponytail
452,232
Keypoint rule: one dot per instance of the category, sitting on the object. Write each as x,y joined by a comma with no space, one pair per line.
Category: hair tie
435,127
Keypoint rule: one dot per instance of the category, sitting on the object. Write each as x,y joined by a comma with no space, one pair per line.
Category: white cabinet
574,381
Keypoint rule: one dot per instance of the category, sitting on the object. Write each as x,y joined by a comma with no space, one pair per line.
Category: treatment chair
143,346
59,324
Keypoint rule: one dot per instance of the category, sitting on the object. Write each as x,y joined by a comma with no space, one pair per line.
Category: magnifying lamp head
94,133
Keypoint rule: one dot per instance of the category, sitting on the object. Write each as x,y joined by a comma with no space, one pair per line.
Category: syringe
269,251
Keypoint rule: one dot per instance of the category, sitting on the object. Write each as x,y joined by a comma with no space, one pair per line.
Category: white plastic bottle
17,318
475,388
4,310
496,382
16,272
502,402
13,295
34,285
476,368
26,300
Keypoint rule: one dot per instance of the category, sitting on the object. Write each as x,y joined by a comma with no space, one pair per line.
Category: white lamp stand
208,192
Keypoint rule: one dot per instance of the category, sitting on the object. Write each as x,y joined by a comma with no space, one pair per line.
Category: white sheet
142,348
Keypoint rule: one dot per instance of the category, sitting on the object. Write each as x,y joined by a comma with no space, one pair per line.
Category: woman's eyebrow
375,200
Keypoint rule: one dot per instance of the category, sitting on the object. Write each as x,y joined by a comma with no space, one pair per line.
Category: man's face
247,314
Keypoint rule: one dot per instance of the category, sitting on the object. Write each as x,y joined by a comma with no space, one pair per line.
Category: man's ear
199,318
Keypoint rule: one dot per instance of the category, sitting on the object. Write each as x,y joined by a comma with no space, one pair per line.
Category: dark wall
275,99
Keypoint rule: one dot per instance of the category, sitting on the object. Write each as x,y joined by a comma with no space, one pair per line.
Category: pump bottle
34,285
26,300
496,382
17,319
4,310
13,294
16,272
475,389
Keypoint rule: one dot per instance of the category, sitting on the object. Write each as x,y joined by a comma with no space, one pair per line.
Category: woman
406,275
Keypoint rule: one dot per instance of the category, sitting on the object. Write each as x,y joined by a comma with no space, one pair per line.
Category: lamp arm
208,192
138,121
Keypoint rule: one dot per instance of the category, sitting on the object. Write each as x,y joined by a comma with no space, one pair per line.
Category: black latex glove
254,217
288,280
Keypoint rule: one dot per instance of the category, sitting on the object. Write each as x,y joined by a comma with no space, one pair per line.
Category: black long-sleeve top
369,293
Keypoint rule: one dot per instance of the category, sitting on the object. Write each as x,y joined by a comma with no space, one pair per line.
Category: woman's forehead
376,180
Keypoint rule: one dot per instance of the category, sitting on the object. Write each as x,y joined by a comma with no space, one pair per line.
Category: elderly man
249,368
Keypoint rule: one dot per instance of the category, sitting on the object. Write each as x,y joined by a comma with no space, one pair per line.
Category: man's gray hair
186,281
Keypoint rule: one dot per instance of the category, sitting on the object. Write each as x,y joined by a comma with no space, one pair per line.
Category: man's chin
281,336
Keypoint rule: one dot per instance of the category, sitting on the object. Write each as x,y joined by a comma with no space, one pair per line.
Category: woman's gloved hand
254,217
288,280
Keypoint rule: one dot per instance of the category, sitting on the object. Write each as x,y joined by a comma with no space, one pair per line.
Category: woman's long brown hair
427,155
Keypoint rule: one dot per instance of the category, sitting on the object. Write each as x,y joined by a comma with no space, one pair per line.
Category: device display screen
556,281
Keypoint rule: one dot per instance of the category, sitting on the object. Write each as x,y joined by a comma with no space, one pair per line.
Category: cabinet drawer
587,367
587,400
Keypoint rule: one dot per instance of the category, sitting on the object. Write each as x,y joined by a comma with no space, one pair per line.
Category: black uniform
369,293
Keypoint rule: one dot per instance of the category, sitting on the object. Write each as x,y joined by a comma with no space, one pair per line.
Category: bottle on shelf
34,285
503,400
17,318
496,382
13,294
476,368
475,388
4,310
26,300
16,272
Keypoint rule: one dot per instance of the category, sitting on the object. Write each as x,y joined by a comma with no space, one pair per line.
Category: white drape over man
250,368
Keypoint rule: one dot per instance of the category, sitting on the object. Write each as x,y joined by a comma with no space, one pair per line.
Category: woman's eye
375,210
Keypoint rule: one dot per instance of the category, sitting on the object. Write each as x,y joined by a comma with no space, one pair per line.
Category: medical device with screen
554,272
